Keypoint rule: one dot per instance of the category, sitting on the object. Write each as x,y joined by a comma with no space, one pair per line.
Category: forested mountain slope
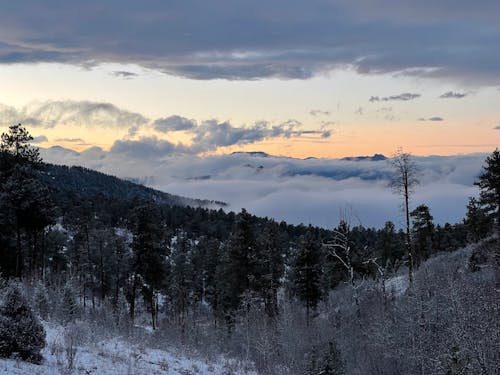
87,183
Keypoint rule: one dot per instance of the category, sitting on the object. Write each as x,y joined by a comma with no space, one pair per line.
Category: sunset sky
296,78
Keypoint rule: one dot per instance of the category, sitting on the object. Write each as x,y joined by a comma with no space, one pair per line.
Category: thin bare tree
404,179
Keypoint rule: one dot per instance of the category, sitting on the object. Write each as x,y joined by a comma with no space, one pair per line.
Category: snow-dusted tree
20,330
404,179
341,250
69,307
331,363
41,300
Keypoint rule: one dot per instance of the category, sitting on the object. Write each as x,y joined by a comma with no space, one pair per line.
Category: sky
193,79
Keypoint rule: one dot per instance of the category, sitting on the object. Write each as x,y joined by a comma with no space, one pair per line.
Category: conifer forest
101,257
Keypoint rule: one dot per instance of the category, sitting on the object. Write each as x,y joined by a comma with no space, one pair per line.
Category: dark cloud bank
258,39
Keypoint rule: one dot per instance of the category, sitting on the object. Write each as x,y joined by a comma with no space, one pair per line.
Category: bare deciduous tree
405,178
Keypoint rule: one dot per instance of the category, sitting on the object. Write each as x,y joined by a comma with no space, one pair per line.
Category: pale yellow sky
341,98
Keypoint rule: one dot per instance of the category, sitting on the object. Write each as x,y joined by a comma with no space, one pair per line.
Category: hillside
87,183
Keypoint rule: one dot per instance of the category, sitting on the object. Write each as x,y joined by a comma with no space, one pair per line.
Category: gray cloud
145,148
39,139
402,97
212,134
173,123
319,112
124,74
326,134
70,140
133,130
453,95
497,127
257,39
81,113
434,118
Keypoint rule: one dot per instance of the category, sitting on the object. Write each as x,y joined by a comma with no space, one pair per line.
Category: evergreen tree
389,246
270,266
20,330
210,277
476,220
150,252
180,286
308,272
16,143
489,184
423,233
24,200
235,272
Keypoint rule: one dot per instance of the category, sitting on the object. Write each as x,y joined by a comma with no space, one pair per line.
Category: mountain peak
251,153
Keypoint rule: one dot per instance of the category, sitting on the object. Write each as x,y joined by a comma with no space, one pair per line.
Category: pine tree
235,273
16,143
150,251
476,221
270,266
24,200
180,287
389,246
20,330
423,233
308,272
489,184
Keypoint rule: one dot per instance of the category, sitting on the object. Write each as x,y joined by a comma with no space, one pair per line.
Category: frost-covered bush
67,310
20,330
41,301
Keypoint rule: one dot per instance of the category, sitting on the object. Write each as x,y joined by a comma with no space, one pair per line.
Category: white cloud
310,191
50,114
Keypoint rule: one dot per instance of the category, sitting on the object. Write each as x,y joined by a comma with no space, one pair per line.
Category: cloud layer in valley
308,191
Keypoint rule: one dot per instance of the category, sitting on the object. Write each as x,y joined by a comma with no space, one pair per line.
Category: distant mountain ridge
262,154
88,183
375,157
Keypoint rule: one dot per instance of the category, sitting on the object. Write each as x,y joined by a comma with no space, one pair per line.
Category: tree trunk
132,299
408,236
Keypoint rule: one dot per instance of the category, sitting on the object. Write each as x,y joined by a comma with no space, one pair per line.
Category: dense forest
79,246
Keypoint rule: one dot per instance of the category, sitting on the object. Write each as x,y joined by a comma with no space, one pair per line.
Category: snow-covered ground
115,357
397,285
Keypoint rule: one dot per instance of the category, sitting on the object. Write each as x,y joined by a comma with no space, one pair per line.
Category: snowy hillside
116,356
